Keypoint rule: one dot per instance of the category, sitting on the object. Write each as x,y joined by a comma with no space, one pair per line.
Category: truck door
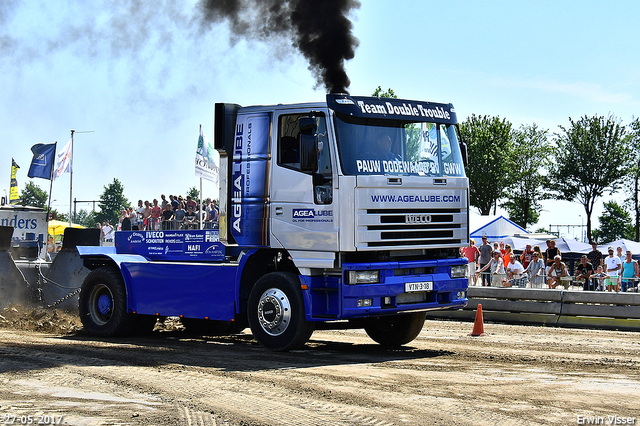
302,202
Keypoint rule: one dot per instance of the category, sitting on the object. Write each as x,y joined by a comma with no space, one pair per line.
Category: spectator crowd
172,214
497,265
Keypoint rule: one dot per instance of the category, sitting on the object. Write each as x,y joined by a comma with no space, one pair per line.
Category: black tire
276,312
103,304
395,330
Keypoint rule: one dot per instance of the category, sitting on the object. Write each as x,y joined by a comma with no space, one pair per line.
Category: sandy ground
52,373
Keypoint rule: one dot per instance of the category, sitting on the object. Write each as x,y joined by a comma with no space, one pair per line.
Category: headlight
459,271
364,277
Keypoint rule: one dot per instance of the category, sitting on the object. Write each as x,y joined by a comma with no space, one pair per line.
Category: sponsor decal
172,245
211,236
19,223
415,198
311,215
188,237
405,110
136,238
212,250
154,237
397,166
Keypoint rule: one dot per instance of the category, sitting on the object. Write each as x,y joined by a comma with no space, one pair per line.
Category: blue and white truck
352,209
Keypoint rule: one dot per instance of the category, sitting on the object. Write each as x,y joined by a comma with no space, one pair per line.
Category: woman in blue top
629,270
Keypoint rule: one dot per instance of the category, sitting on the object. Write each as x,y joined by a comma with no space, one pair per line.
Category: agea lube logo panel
311,215
249,180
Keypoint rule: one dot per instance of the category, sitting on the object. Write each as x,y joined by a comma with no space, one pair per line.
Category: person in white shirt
515,273
107,231
613,264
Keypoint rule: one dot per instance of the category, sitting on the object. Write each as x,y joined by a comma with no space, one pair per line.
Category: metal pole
71,177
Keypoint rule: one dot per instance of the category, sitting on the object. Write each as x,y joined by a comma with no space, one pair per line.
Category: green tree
590,158
86,218
529,158
489,141
56,215
379,93
33,195
615,223
112,202
194,193
632,180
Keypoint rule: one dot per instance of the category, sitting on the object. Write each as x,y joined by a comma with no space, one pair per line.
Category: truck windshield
393,147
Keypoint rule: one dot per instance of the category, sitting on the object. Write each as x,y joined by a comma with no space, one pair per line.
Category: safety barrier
551,307
568,282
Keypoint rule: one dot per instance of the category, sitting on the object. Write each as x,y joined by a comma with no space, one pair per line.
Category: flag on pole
64,161
14,198
206,166
42,162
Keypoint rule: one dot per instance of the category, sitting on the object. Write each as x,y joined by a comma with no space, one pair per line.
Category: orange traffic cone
478,325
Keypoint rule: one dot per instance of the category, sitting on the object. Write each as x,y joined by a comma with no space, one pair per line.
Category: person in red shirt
471,253
526,256
156,211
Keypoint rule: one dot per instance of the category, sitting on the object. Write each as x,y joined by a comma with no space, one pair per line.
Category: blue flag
42,162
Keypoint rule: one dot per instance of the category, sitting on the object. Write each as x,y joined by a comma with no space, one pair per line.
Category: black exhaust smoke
319,29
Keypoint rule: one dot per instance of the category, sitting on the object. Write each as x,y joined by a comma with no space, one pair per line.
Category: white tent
624,243
494,227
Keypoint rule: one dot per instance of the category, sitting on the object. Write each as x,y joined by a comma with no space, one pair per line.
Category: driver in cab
381,149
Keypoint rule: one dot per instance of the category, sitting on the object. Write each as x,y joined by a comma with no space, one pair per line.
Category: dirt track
515,375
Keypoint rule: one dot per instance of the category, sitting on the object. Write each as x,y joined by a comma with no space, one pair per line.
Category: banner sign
14,197
28,223
206,166
187,245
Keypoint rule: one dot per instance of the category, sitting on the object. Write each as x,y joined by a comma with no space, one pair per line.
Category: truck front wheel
395,330
103,304
276,312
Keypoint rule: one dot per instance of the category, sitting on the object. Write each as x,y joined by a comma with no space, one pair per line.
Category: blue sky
144,76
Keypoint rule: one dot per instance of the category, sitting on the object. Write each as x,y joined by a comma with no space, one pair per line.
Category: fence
568,282
551,307
154,224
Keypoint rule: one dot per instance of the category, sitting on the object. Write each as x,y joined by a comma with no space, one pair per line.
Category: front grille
379,228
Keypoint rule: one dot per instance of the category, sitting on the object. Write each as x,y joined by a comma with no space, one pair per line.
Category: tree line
518,168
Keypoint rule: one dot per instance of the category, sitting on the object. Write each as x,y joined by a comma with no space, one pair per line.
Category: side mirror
465,154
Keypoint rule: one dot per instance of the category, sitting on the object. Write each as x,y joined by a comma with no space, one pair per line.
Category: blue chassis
201,290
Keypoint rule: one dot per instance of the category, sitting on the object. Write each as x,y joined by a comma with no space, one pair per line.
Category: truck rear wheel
103,304
276,312
395,330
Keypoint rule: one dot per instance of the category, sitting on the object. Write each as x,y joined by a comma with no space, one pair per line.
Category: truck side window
289,157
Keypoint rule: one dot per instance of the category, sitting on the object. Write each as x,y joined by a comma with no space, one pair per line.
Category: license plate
421,286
